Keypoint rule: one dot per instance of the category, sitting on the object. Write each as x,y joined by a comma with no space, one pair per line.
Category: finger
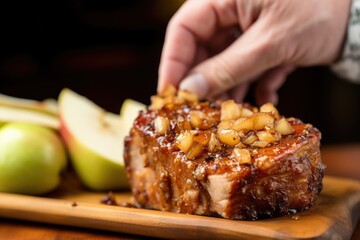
220,97
216,45
223,39
186,30
267,87
201,55
238,93
249,56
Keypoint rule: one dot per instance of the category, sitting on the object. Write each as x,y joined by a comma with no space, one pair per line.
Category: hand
216,48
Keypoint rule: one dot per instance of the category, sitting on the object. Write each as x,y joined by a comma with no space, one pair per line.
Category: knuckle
222,74
270,49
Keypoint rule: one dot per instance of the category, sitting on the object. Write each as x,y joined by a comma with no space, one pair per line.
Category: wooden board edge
127,220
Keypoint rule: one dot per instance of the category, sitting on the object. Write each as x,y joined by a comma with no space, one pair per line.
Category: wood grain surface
334,215
340,160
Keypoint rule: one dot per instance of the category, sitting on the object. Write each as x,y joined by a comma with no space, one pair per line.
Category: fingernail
195,83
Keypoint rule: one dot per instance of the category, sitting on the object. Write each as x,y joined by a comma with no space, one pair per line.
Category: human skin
217,48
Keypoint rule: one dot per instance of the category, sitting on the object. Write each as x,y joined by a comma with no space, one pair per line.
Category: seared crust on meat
282,177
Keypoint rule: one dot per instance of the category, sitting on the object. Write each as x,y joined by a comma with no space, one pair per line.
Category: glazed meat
222,159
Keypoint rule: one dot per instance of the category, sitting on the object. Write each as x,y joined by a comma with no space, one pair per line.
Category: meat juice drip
110,199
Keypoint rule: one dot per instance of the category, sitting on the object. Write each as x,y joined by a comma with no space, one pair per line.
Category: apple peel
10,114
47,106
129,111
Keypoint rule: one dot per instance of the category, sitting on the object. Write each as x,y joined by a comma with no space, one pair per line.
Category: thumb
251,54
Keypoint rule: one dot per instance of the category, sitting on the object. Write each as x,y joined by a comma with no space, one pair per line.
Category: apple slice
129,111
10,114
48,106
95,140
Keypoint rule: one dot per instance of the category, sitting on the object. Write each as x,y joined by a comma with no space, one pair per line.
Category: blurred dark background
110,50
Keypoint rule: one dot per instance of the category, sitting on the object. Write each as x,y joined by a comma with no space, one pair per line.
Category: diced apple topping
242,155
257,121
170,90
254,128
267,136
246,112
241,126
157,102
260,144
270,108
229,137
194,151
162,125
202,138
283,127
184,141
214,144
262,120
230,110
196,118
225,125
171,96
188,96
250,138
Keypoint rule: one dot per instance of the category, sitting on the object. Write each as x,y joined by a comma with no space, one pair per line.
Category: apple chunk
95,140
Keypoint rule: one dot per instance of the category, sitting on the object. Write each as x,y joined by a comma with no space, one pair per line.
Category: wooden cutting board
334,216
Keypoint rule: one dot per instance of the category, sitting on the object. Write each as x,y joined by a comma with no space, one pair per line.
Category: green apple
11,114
95,140
31,159
129,111
47,106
